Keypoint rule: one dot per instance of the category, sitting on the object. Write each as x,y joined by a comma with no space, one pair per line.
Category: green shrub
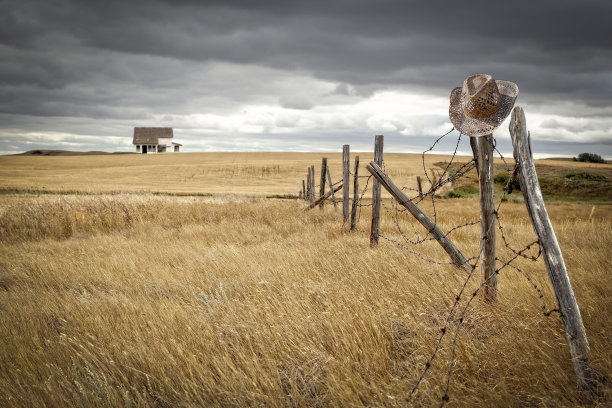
455,194
589,157
584,176
462,192
502,178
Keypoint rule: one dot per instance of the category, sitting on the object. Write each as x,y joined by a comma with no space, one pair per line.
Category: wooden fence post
303,189
312,183
355,195
487,216
378,159
570,313
308,185
322,181
345,182
420,186
331,185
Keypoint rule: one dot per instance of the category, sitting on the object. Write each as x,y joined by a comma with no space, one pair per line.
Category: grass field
253,174
113,296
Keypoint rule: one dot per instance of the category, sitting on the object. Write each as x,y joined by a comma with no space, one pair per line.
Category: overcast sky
297,75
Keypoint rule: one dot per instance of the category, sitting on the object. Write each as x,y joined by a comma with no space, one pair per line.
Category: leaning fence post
331,185
553,259
455,254
345,182
355,195
323,197
322,182
487,216
378,159
420,186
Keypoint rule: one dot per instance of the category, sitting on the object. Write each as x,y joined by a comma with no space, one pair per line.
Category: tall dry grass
168,301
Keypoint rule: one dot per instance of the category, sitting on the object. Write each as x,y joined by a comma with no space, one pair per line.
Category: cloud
315,68
296,102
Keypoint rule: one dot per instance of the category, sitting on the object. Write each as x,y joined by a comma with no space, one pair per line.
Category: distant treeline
39,152
589,157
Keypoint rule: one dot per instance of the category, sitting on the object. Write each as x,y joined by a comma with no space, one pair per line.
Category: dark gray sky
297,75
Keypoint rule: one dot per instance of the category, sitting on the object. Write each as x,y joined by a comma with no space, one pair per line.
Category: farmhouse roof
151,135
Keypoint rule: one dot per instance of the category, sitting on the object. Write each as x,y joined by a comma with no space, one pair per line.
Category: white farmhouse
154,140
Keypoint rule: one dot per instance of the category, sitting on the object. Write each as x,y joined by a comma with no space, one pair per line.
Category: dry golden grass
218,173
143,300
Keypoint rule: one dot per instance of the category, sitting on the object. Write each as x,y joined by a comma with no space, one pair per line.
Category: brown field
111,295
253,174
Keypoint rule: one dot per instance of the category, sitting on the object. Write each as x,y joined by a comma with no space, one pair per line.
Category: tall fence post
308,186
378,159
322,181
331,186
312,183
487,216
355,195
303,189
553,259
345,182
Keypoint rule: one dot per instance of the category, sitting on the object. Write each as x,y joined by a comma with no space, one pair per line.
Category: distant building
154,140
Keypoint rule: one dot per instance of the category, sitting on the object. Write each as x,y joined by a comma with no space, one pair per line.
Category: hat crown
480,96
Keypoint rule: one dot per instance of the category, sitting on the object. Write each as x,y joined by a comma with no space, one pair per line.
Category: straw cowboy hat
481,105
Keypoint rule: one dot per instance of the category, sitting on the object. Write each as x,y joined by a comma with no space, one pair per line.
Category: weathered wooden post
378,159
322,181
553,259
476,109
419,186
308,186
355,195
312,183
345,182
331,185
303,189
487,216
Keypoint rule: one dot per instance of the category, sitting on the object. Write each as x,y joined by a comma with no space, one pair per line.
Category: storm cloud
295,75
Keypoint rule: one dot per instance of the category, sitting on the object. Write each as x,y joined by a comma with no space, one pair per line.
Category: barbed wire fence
450,173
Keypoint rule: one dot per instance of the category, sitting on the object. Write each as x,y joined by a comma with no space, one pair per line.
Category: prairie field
252,174
180,281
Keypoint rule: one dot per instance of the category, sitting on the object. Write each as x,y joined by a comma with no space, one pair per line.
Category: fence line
491,265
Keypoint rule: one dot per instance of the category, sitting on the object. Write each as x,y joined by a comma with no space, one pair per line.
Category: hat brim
482,126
